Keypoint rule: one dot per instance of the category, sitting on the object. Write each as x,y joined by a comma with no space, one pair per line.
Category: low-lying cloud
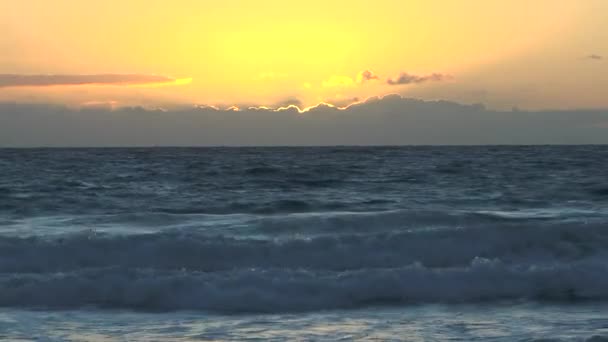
16,80
368,76
391,120
595,57
405,78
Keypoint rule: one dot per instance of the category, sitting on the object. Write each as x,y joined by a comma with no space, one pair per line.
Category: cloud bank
391,120
15,80
405,78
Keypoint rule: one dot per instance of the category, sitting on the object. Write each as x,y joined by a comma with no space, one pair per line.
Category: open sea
483,243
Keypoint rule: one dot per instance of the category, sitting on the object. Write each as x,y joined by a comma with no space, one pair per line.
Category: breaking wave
280,290
193,250
186,270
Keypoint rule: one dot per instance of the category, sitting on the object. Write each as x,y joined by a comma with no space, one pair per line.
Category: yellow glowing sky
504,53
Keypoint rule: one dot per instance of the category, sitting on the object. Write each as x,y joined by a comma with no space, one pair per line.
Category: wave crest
279,290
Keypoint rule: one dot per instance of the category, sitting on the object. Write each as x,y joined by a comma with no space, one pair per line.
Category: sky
542,55
533,54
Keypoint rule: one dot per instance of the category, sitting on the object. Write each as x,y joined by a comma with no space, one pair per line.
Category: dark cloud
366,75
405,78
595,57
14,80
390,120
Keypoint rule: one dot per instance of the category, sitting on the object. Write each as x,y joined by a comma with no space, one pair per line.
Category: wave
539,214
288,217
194,250
281,290
397,220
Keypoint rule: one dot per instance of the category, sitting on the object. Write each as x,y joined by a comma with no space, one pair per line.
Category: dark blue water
282,231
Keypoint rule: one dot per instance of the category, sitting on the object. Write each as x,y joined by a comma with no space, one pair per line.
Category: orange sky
532,54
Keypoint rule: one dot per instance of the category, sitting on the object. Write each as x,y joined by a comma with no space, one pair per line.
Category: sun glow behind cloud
260,53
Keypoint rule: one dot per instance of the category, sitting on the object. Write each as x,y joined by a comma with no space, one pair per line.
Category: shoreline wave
282,290
177,249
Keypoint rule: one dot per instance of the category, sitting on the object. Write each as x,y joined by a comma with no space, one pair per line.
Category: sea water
304,243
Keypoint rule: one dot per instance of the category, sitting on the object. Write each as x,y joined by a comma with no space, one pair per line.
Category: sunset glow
263,52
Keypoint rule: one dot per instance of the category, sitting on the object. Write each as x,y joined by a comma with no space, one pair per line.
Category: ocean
421,243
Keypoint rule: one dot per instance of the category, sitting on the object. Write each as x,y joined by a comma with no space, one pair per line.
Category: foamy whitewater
351,243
